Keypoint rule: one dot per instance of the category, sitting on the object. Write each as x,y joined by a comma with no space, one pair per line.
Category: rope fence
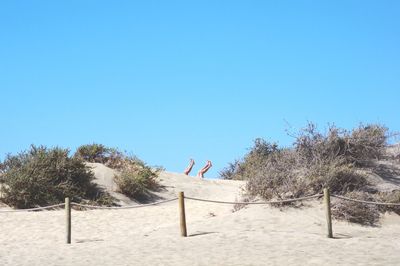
257,203
121,207
366,202
181,202
89,206
35,209
199,199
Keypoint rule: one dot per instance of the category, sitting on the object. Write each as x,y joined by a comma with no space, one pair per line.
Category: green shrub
98,153
42,176
94,153
253,162
136,180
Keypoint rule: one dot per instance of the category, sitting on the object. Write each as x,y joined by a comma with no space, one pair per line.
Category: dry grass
365,214
316,161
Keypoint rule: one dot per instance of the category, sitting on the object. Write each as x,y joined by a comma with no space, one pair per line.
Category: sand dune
255,235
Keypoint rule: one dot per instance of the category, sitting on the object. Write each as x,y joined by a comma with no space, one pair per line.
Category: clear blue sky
171,80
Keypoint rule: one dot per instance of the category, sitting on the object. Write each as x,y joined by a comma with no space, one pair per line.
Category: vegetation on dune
135,179
334,160
98,153
354,212
42,176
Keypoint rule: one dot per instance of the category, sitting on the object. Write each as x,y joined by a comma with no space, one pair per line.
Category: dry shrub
276,178
281,176
367,143
359,146
339,178
316,160
230,172
239,206
365,214
391,197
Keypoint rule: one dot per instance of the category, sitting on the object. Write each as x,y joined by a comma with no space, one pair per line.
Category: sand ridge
255,235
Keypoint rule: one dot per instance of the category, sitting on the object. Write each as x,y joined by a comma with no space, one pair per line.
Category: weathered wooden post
68,217
327,201
181,197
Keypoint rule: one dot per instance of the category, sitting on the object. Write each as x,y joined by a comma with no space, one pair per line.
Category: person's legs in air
189,168
204,169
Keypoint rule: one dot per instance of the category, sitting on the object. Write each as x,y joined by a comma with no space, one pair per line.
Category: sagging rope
366,202
35,209
165,201
203,200
89,206
122,207
257,203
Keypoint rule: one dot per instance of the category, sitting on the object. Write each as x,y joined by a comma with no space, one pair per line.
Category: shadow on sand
389,173
202,234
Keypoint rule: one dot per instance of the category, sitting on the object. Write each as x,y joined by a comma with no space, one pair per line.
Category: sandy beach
276,120
255,235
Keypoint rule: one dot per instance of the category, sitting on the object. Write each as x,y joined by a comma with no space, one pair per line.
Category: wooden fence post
182,214
68,217
327,201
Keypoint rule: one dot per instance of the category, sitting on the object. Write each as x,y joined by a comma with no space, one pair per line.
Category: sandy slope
256,235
